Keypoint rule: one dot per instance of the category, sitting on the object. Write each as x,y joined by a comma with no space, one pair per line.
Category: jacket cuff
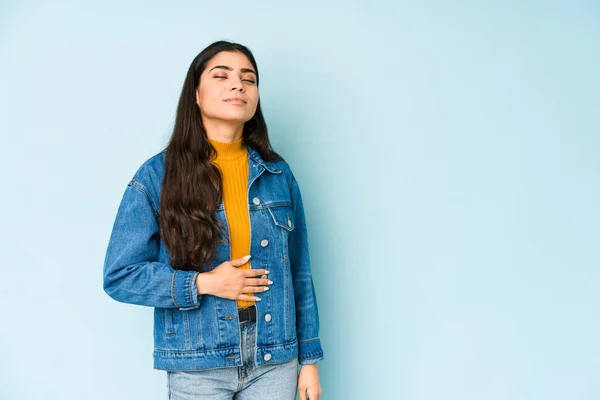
309,351
184,291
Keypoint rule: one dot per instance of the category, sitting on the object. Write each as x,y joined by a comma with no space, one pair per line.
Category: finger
240,261
304,394
255,289
254,272
248,298
257,281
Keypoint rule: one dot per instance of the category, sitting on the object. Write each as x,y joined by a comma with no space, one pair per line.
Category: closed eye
245,80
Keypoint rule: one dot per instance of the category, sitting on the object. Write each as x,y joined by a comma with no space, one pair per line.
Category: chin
236,118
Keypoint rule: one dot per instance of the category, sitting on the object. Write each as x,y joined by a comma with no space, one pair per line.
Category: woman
225,326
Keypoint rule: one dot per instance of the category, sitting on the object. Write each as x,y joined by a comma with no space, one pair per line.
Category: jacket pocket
284,224
168,322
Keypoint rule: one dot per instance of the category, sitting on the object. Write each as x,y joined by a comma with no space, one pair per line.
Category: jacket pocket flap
283,217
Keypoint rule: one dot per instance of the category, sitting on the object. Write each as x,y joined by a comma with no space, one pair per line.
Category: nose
237,84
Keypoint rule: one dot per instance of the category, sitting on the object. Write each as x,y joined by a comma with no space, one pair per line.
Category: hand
308,382
230,282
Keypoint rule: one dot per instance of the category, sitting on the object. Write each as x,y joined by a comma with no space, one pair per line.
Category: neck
223,131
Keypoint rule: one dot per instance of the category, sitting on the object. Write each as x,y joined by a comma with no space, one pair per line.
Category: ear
198,96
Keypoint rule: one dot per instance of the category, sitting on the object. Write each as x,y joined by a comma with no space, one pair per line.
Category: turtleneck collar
229,151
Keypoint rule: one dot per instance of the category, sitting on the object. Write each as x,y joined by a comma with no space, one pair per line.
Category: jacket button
256,200
264,242
267,357
268,317
289,222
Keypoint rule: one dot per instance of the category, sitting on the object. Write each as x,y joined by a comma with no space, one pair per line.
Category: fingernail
270,282
266,271
257,299
266,288
246,257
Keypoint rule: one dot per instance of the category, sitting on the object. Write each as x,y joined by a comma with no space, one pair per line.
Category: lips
235,100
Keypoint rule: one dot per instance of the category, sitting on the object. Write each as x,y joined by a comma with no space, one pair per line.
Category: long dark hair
192,186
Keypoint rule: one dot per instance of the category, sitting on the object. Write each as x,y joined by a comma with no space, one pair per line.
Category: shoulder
286,170
149,175
150,168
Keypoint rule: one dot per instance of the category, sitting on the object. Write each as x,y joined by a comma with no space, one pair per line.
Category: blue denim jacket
194,331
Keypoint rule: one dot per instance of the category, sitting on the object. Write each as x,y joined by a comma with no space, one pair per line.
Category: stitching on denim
190,290
191,286
220,349
308,340
173,288
268,165
145,191
275,217
278,345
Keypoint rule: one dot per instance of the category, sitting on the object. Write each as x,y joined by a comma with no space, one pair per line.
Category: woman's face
228,75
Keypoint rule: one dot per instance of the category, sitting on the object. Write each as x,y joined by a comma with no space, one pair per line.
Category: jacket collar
268,165
254,155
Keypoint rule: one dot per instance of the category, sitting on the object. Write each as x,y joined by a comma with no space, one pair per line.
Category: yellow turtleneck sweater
232,161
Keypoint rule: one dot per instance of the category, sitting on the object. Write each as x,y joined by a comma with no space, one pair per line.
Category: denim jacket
194,331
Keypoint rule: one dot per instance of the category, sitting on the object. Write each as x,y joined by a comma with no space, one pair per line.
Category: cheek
208,97
253,100
253,108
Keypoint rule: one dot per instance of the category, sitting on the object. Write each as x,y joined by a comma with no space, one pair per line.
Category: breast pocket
283,224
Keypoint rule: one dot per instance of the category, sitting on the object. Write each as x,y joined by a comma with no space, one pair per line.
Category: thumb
240,261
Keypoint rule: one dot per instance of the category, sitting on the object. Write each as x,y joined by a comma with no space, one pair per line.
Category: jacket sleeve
307,314
132,273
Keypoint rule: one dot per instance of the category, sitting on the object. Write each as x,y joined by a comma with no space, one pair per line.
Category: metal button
268,317
264,242
256,200
267,357
289,223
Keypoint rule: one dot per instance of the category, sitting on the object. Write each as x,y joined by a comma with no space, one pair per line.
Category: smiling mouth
235,101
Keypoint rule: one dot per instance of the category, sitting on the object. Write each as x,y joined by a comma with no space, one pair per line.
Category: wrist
203,283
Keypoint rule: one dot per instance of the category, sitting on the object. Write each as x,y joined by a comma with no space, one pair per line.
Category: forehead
233,59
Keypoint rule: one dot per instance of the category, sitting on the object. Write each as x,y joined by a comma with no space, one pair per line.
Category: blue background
448,155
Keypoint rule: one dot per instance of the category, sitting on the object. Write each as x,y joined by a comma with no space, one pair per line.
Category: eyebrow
231,69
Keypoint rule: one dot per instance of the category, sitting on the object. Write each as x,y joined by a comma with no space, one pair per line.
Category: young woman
211,232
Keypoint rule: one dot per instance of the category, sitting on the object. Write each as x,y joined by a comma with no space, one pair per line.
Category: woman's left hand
308,382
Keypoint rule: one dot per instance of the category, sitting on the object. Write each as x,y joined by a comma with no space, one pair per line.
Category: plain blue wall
448,154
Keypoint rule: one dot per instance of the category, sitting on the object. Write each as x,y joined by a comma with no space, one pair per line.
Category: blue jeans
247,382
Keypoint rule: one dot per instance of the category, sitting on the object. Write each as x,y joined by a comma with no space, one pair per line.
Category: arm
131,273
307,314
